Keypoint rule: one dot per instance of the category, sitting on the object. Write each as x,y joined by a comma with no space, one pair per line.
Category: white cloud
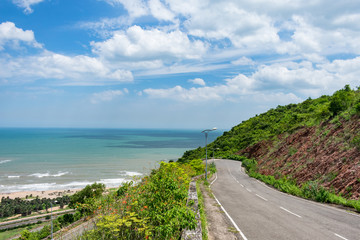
236,86
105,26
135,8
140,44
9,33
197,81
243,61
284,81
245,29
159,11
77,70
26,4
106,96
310,40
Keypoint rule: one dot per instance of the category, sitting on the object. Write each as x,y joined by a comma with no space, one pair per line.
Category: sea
39,159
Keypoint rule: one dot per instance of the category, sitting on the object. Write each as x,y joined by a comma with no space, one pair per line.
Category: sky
170,63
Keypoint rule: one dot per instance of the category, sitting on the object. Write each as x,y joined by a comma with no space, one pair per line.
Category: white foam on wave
41,175
110,182
13,176
129,173
113,182
43,186
28,187
5,161
59,174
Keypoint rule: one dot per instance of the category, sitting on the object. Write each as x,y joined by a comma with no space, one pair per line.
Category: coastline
40,194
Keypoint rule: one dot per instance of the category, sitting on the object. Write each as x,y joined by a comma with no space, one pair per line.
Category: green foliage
198,166
41,234
341,100
154,208
212,168
310,190
202,211
90,191
10,207
356,142
283,119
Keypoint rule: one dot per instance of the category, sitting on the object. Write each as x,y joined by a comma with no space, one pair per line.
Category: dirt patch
219,226
325,154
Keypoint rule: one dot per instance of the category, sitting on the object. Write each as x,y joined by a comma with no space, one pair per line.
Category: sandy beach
40,194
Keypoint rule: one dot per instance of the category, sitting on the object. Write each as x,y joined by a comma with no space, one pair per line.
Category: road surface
261,212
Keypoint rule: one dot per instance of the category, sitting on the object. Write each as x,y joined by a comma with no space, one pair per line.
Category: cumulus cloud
161,12
137,43
26,4
77,70
106,96
9,33
245,29
198,81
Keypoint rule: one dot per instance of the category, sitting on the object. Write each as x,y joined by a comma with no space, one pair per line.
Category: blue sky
170,63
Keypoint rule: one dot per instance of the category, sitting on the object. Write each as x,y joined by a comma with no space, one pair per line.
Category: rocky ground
327,154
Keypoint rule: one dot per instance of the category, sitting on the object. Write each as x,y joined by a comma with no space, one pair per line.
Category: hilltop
317,141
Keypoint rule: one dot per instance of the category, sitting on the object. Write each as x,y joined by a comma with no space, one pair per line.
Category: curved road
261,212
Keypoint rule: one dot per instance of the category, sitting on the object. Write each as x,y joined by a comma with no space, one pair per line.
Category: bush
154,208
90,191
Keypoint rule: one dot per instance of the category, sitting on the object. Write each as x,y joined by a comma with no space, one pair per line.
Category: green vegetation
10,207
11,233
310,190
58,223
90,192
326,114
202,211
153,208
284,119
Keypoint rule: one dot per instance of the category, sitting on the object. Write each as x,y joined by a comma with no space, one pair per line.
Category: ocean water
47,159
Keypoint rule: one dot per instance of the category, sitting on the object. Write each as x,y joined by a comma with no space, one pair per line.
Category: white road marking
307,200
290,212
262,183
261,197
241,185
214,179
340,236
248,190
231,220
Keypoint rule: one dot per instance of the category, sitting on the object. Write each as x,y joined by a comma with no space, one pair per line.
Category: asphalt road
261,212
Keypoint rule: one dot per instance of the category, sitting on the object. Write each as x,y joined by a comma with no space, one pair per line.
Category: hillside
317,140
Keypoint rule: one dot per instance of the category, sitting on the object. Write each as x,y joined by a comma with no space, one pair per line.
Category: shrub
90,191
154,208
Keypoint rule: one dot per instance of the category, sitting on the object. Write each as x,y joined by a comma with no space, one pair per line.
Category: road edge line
226,213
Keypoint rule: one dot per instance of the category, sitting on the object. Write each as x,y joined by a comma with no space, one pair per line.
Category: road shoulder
219,227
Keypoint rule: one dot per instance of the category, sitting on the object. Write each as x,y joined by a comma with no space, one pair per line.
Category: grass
202,211
309,190
7,234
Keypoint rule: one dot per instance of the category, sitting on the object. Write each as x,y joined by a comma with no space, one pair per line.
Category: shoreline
40,194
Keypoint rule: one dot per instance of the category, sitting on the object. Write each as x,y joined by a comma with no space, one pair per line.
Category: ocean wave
5,161
129,173
41,175
28,187
13,176
113,182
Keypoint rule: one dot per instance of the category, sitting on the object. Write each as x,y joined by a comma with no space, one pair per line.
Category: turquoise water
44,159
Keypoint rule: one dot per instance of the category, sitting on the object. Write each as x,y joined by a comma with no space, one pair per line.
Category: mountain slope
316,140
